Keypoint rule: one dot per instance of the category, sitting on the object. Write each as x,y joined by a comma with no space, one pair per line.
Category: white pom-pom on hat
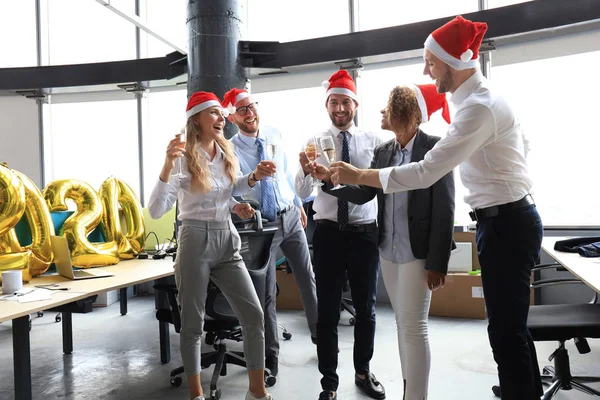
231,109
467,55
326,84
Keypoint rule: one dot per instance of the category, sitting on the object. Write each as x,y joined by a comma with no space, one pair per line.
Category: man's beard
445,83
344,122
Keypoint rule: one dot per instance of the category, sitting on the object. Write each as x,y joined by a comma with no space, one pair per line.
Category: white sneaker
199,398
250,396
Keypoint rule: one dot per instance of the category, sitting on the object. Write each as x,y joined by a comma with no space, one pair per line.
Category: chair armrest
555,282
555,266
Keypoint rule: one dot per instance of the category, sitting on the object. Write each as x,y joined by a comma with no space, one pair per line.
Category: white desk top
127,273
586,269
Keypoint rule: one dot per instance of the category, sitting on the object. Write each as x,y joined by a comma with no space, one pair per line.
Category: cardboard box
469,237
289,296
461,258
461,297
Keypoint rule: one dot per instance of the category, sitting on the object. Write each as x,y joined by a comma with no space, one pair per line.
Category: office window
502,3
18,33
87,32
558,113
93,140
373,14
269,21
165,116
376,85
168,19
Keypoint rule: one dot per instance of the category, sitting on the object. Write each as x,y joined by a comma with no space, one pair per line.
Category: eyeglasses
242,111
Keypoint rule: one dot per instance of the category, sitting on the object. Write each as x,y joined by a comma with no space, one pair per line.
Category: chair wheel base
496,390
215,394
176,381
287,335
352,321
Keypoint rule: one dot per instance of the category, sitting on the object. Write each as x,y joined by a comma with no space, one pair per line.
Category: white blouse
215,205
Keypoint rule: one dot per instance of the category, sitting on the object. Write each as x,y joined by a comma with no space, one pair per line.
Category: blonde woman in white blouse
208,245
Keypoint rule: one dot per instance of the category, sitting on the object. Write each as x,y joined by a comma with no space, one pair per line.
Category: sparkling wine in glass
311,150
177,171
328,149
272,143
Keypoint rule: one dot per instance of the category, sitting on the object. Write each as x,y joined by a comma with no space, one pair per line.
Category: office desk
586,269
127,273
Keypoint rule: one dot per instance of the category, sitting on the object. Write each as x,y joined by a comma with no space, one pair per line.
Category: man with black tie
281,207
344,244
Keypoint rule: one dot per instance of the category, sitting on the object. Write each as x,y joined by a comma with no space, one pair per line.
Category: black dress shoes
272,364
370,386
327,395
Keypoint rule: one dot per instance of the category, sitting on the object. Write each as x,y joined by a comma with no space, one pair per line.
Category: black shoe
370,386
496,390
327,395
272,364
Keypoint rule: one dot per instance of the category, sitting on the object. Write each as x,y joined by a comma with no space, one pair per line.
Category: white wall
19,136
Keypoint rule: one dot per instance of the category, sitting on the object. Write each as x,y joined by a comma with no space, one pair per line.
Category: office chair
346,304
220,323
562,322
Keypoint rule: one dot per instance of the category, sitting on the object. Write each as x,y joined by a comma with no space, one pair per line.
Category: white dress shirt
215,205
361,145
485,138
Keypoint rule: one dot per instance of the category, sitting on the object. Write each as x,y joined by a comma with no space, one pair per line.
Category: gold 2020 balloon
79,225
112,193
12,207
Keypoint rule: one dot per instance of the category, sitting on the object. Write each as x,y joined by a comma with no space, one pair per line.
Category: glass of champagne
272,144
311,151
177,171
328,150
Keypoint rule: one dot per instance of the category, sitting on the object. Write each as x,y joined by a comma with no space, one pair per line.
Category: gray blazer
430,210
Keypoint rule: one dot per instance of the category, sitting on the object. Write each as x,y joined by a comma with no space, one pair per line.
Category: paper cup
12,281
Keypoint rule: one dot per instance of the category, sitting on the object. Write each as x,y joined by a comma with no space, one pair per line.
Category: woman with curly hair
208,244
415,228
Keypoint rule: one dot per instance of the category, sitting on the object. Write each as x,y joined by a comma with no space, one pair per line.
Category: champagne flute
271,142
178,172
328,149
311,153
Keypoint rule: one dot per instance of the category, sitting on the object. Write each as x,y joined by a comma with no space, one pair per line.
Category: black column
214,30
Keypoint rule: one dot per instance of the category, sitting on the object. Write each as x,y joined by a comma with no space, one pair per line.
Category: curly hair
198,164
403,110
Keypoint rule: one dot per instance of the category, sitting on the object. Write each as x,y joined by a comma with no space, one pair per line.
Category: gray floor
117,357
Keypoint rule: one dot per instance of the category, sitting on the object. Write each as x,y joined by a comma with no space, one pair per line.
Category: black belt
283,211
371,227
493,211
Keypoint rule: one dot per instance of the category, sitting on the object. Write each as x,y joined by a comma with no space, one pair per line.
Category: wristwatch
253,177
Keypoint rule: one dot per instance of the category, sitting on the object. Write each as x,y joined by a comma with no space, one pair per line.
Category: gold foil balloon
79,225
40,225
112,193
12,207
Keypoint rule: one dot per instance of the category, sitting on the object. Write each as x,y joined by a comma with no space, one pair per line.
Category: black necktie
342,204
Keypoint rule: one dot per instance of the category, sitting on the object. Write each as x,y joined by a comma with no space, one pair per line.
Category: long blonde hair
198,164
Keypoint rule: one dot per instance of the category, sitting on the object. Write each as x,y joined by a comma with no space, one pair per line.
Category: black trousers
338,255
508,246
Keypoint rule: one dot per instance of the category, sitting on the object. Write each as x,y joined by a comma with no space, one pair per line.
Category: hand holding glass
271,142
311,153
328,150
177,170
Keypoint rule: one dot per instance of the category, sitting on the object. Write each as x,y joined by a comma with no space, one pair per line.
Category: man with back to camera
280,205
485,139
344,243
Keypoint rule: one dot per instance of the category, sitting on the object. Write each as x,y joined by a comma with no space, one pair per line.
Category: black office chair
220,323
346,304
562,322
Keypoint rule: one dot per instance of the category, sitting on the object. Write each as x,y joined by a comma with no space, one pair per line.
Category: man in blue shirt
280,205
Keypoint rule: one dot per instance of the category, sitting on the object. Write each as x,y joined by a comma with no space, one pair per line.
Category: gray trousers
291,238
209,250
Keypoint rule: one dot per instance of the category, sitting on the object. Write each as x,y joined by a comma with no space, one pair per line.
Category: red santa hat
200,101
232,97
340,83
457,42
431,101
